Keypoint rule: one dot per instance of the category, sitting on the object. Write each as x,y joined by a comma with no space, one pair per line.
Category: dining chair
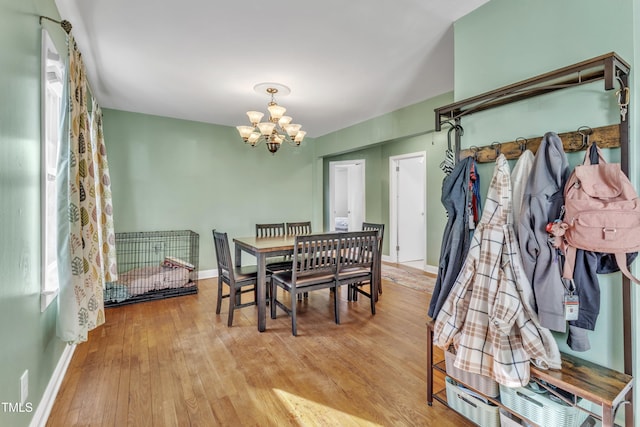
277,263
370,226
358,263
316,269
298,228
270,230
236,278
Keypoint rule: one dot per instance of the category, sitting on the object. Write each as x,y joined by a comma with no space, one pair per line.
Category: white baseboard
207,274
428,268
431,269
41,415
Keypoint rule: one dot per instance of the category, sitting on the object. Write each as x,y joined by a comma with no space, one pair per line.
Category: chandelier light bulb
299,137
276,111
245,132
253,138
255,117
266,128
284,121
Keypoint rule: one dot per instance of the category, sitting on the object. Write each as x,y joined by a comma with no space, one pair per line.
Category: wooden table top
266,244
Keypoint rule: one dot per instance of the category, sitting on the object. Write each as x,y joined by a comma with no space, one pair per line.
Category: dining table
262,248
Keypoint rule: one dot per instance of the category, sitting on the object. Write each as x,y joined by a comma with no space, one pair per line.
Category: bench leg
429,365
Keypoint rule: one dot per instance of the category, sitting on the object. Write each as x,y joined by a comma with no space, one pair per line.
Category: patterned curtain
87,240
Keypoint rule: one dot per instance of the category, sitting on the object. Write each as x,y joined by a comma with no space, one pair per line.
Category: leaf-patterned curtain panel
87,239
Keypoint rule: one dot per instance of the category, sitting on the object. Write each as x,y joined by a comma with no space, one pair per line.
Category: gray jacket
542,203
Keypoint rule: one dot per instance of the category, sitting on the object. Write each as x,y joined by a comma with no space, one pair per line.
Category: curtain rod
66,25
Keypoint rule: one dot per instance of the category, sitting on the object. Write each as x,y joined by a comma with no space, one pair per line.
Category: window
52,75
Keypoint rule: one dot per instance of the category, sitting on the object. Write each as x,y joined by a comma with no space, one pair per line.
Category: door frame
332,183
393,203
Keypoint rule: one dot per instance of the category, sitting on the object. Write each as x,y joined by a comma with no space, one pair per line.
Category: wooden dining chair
370,226
298,228
358,263
270,230
277,263
238,279
316,269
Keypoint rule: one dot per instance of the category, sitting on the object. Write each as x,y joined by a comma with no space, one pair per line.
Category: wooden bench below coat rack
604,137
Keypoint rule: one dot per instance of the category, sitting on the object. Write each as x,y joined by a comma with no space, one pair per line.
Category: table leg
262,292
238,259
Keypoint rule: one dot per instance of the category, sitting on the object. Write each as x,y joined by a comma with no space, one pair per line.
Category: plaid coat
489,316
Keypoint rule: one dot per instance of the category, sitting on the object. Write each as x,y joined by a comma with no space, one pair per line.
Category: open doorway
407,207
347,195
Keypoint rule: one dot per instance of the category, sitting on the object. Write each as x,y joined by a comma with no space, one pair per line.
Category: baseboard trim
41,415
431,269
207,274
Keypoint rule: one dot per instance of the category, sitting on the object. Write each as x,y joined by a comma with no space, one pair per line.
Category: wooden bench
602,386
327,260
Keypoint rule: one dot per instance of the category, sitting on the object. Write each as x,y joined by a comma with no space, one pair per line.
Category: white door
408,201
347,195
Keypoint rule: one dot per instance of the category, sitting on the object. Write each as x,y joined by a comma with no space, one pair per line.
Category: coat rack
610,68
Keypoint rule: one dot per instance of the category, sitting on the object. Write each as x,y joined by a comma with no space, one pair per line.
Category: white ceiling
345,61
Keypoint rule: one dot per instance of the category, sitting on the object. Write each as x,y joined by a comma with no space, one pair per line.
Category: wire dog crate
154,265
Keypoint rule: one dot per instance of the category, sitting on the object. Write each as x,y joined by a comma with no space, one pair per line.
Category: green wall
170,174
492,49
28,336
377,184
407,130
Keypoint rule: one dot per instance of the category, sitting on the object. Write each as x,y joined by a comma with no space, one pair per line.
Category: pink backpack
602,213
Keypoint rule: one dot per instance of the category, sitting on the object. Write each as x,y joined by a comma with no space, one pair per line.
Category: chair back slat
359,249
370,226
270,230
314,254
223,255
298,228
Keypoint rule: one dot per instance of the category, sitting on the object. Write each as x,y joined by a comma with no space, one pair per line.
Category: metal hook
474,150
453,127
585,136
522,143
496,146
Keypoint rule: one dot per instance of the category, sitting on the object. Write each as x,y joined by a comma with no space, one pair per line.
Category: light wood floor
174,362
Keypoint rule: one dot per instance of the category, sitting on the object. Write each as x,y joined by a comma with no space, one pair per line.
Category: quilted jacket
489,315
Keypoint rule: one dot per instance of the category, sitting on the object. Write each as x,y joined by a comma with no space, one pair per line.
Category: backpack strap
594,155
569,262
621,259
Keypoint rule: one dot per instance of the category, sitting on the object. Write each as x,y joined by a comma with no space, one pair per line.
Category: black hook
453,127
522,143
585,136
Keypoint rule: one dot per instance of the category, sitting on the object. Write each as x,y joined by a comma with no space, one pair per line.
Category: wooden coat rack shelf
614,71
604,137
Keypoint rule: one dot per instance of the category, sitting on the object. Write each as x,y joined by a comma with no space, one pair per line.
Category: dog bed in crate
154,265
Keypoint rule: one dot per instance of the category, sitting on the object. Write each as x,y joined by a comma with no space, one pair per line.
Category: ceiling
344,61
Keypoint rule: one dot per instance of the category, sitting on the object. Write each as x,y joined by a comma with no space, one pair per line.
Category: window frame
52,75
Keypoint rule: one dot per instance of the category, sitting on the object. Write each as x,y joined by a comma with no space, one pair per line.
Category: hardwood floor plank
174,362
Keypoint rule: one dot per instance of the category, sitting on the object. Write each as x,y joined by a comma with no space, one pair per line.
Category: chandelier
278,128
